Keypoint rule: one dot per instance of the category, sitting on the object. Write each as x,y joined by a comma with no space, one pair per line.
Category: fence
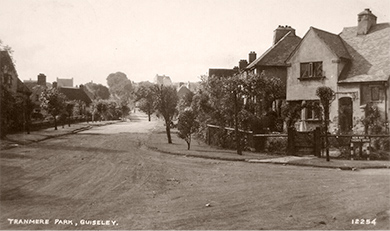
225,137
359,147
355,147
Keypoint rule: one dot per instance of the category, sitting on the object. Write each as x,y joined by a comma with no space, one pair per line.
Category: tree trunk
168,130
326,133
189,142
237,133
149,115
55,123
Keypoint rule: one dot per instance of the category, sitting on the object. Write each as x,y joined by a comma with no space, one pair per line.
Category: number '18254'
364,221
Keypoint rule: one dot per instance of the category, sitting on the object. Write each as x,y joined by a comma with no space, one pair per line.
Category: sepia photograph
194,115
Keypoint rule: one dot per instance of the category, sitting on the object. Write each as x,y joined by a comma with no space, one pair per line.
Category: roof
22,88
370,54
182,91
277,54
334,42
5,59
73,93
222,72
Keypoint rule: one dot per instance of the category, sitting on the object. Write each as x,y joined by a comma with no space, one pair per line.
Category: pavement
22,138
158,142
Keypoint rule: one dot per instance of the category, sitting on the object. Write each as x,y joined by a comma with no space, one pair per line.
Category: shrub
277,144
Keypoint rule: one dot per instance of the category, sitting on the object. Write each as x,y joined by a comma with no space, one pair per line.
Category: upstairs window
312,69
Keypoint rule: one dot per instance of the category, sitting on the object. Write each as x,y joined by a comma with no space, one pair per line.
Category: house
355,64
163,80
76,96
62,82
182,91
37,87
228,72
273,61
9,77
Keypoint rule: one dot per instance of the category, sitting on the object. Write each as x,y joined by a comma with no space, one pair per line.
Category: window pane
305,70
317,69
374,93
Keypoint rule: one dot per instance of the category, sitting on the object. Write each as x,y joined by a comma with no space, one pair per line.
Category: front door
345,114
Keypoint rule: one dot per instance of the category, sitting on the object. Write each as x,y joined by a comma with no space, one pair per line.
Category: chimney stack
252,56
281,31
41,80
366,20
242,64
54,84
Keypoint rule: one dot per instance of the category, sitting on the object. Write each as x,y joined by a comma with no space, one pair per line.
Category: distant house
76,96
354,63
62,82
223,72
163,80
182,91
228,72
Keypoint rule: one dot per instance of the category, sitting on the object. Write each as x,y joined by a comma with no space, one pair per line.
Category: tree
121,89
185,101
165,103
53,102
6,109
145,98
226,97
98,91
372,119
187,125
120,86
69,111
326,95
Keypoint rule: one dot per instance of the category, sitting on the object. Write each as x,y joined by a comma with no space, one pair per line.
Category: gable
312,48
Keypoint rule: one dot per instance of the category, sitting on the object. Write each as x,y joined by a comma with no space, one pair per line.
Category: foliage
186,101
145,98
277,144
121,90
243,101
98,91
187,125
120,86
53,102
262,91
291,113
165,103
107,110
326,95
372,119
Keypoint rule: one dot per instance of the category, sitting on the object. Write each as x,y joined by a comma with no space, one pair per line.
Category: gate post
291,141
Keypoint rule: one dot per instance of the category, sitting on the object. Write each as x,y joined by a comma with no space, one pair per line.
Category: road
106,178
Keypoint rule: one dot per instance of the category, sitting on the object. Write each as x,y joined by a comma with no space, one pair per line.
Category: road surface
106,178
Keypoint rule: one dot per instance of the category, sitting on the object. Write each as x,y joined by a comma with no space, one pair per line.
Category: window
7,79
375,93
312,69
311,110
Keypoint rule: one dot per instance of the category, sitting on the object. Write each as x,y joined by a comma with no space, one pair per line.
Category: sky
89,39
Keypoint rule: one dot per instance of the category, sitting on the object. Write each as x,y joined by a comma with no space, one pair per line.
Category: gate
304,143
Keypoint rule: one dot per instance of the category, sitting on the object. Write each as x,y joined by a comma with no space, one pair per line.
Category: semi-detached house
355,64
